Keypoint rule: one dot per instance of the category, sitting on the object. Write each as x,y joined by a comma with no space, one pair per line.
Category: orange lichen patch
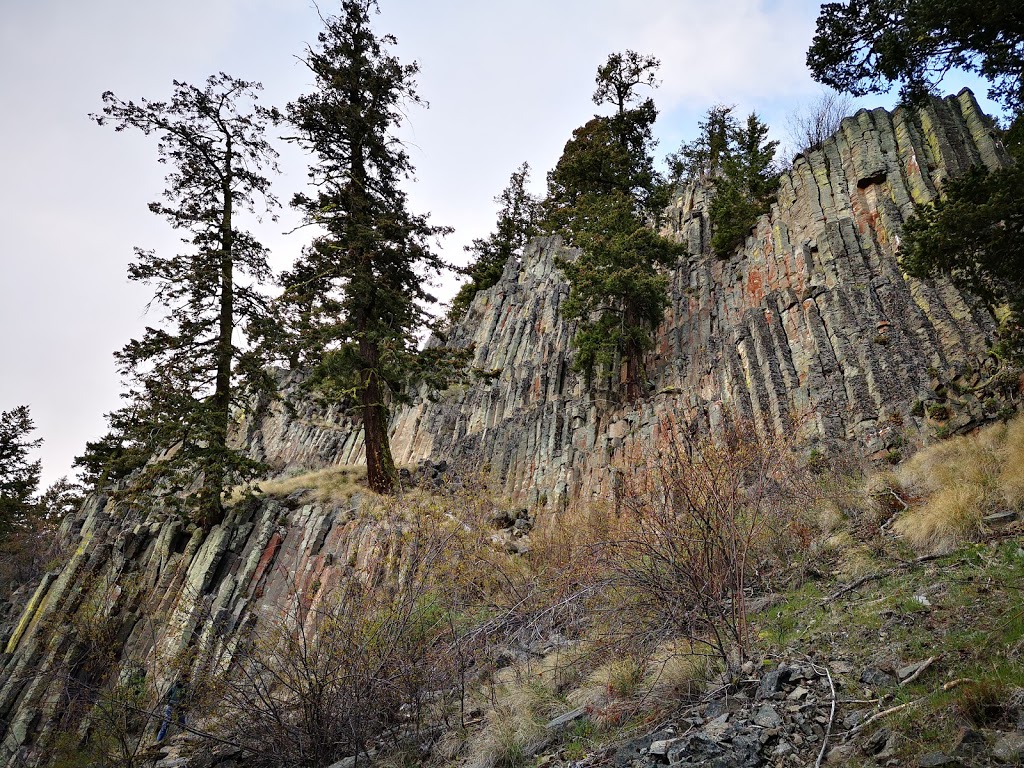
265,560
755,285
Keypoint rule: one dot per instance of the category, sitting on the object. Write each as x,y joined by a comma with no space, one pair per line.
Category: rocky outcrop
810,325
158,597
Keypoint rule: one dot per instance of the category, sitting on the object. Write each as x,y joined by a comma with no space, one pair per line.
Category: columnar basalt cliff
157,595
810,323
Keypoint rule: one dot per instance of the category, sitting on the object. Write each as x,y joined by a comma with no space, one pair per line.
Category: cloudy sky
506,81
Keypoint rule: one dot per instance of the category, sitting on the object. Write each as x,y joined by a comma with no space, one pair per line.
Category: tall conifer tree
186,376
606,198
516,224
746,186
356,297
19,477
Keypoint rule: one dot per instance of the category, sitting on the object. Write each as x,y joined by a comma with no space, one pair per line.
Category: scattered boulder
1009,747
768,717
970,743
937,760
877,678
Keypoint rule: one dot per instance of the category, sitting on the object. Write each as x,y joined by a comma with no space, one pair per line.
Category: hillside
506,611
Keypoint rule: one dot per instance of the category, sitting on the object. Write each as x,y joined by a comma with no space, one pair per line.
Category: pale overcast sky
506,81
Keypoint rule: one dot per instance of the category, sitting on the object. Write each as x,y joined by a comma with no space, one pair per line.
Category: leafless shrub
701,522
353,669
26,553
107,707
809,127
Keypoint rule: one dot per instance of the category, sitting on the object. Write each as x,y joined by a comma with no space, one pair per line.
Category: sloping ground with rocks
915,664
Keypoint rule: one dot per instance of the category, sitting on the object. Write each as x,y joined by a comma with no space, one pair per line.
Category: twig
917,673
879,575
854,585
884,713
898,498
959,681
831,717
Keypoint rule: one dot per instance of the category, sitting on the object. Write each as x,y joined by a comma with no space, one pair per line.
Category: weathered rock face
811,320
171,598
810,323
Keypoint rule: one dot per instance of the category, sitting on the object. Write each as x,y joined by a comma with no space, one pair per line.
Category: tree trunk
632,376
214,473
380,466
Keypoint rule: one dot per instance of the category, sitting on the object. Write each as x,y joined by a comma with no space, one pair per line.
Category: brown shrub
702,522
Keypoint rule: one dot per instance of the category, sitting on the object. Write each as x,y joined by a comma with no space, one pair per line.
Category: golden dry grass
331,484
953,485
515,729
626,684
1011,453
677,671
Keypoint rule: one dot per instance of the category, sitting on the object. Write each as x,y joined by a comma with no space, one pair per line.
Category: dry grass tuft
619,679
515,730
331,484
856,561
951,486
831,518
679,672
672,674
1011,477
949,517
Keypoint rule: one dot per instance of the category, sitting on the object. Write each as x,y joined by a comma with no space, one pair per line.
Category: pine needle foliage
867,46
975,233
19,476
355,300
186,376
747,185
736,162
606,199
516,224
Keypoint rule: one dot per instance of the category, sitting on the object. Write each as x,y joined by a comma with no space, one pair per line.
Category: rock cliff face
810,323
157,595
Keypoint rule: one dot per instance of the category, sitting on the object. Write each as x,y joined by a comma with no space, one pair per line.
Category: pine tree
19,477
517,223
606,198
355,299
701,160
866,46
185,378
746,186
736,164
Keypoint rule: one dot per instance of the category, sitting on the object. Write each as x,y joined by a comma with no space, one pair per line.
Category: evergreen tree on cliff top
516,224
736,163
186,376
974,234
606,198
19,477
356,297
746,187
